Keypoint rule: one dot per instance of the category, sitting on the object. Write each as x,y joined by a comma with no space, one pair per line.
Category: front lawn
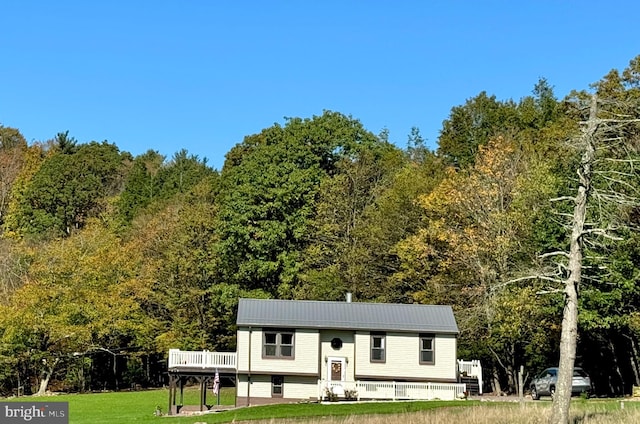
140,406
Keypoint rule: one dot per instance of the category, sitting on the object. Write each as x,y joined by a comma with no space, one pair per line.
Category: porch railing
392,390
202,359
472,369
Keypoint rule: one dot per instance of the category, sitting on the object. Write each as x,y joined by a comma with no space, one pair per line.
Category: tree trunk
497,389
633,359
48,372
569,335
619,388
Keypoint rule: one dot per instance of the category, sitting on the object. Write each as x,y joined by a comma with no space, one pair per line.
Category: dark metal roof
346,315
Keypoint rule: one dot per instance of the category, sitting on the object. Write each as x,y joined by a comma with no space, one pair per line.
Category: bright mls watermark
34,412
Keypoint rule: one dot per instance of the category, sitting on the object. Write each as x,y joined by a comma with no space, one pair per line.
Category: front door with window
336,374
336,370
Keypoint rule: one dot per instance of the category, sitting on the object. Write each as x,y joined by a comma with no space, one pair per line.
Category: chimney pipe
348,297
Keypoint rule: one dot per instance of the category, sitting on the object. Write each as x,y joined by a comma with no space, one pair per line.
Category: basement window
277,385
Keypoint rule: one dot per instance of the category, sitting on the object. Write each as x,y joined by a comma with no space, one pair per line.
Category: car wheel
552,392
534,393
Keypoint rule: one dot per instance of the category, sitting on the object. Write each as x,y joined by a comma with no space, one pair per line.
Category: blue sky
200,75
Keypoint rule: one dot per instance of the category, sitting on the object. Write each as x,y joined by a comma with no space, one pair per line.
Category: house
293,350
301,350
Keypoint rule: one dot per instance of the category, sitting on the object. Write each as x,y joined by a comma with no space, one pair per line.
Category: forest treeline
109,260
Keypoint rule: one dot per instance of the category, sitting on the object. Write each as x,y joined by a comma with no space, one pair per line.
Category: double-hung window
427,349
278,344
378,347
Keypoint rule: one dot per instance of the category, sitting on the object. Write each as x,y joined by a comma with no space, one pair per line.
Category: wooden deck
202,361
470,372
203,366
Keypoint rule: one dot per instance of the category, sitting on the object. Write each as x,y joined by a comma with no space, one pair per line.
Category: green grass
139,407
311,410
128,407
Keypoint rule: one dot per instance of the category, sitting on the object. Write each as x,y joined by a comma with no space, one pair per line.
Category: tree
13,148
416,148
65,144
68,188
472,125
183,172
177,239
33,158
81,293
14,263
152,180
268,189
604,137
341,257
477,223
142,185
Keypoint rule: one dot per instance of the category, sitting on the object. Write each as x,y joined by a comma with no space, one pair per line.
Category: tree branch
557,199
557,253
550,291
601,232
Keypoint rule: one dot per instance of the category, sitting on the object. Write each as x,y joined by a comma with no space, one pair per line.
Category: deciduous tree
68,188
478,223
269,184
81,293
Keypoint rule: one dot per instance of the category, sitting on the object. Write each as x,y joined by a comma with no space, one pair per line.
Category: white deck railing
202,359
472,369
392,390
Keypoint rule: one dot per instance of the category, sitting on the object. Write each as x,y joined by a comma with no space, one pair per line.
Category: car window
579,373
553,372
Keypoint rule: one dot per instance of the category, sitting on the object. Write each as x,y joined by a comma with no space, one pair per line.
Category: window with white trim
427,349
278,344
277,385
378,347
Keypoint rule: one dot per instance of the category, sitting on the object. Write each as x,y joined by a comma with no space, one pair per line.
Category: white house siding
306,359
242,341
297,387
402,358
347,351
294,388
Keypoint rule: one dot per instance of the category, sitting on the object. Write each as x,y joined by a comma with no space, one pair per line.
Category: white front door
336,373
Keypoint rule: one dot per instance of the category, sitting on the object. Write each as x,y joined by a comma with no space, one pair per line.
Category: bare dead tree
602,137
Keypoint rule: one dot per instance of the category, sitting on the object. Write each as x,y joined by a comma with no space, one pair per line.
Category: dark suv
545,383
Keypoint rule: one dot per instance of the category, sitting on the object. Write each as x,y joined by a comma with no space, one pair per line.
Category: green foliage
141,186
336,246
65,144
269,185
483,118
68,188
472,125
152,180
11,138
362,211
81,293
150,254
13,149
477,236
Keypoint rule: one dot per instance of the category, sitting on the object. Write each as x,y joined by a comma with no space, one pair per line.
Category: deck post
181,391
172,393
203,393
